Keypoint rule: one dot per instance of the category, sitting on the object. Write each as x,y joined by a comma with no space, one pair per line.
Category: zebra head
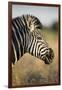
39,48
44,52
47,56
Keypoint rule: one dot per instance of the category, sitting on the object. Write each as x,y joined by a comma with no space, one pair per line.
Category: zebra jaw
47,60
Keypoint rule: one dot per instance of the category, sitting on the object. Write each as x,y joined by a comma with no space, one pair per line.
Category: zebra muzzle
49,57
48,61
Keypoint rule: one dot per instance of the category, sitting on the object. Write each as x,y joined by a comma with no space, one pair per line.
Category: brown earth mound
29,70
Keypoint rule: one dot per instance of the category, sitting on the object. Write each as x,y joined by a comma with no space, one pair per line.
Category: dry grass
30,70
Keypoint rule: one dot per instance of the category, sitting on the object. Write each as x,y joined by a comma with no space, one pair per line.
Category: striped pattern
26,37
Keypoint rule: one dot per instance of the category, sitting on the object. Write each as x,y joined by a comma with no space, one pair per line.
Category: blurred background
47,15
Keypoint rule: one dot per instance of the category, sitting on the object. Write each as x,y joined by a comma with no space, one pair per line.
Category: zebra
26,38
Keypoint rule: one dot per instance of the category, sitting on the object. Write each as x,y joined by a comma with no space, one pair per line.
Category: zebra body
26,38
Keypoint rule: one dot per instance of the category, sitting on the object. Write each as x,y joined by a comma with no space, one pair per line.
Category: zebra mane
37,22
31,21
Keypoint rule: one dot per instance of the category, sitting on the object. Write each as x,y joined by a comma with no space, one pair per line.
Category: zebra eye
39,38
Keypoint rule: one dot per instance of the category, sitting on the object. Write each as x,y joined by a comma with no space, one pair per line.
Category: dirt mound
29,70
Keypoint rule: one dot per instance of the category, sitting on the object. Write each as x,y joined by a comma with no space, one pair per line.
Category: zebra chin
48,58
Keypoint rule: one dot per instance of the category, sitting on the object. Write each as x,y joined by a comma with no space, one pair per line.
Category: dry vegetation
30,70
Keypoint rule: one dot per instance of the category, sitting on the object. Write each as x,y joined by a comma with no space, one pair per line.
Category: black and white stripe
26,38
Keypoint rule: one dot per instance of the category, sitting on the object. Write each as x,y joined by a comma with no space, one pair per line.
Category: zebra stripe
24,39
37,46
